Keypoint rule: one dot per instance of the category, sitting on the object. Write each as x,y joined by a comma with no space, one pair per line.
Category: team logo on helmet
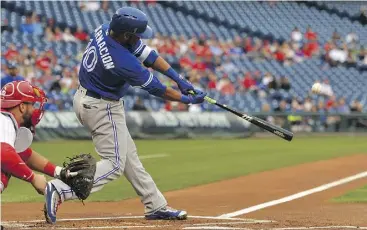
3,92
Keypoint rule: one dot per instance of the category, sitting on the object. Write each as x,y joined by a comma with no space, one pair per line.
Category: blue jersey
109,69
5,80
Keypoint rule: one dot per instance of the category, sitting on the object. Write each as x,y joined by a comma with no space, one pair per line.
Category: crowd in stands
205,61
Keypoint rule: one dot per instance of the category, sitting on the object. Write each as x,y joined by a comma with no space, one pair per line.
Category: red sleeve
25,154
12,163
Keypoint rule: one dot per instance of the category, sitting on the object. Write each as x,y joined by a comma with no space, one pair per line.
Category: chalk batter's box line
137,217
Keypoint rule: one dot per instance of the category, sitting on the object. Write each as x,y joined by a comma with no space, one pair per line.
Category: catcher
21,110
22,107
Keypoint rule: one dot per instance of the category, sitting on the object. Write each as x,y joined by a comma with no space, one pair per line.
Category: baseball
316,88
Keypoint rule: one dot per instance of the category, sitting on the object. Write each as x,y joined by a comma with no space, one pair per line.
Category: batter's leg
142,182
105,120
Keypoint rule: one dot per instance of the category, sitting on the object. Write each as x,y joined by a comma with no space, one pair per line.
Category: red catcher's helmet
16,92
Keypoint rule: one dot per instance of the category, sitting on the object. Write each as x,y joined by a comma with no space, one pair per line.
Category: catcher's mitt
78,173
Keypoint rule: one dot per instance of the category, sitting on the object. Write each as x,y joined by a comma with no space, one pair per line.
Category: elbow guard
150,58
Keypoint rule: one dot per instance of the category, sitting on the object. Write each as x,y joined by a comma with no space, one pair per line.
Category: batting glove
197,98
185,86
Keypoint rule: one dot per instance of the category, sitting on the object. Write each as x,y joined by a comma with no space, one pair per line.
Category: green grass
195,162
356,196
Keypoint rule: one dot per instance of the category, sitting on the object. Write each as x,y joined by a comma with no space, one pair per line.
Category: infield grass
194,162
355,196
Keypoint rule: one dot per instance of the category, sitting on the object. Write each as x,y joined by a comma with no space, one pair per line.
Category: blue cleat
167,213
51,204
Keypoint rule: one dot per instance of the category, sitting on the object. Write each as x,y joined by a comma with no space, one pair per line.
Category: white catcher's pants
106,121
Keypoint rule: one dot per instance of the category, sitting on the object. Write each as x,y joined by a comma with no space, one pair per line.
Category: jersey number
90,58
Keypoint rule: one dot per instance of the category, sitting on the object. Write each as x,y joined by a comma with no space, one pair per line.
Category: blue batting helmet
129,19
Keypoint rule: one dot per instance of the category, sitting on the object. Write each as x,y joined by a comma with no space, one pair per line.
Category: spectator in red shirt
12,53
331,102
328,46
43,62
58,34
199,64
279,55
185,62
248,82
311,48
310,35
194,46
225,86
212,84
81,35
248,45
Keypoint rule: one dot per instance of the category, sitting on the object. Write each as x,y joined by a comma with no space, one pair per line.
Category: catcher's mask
17,92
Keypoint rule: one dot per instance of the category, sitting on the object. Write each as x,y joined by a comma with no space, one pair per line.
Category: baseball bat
280,132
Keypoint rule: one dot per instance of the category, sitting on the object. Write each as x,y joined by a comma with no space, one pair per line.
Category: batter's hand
39,183
184,85
196,98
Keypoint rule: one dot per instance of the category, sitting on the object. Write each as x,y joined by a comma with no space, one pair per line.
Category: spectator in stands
81,35
298,54
58,34
308,106
228,67
66,80
326,88
37,24
289,53
331,103
342,107
199,65
67,36
296,35
27,62
44,81
310,34
12,75
105,5
49,35
225,86
249,83
337,55
311,48
212,80
183,47
12,53
215,48
28,25
362,18
265,50
285,84
356,106
268,80
351,38
45,60
185,62
89,5
279,54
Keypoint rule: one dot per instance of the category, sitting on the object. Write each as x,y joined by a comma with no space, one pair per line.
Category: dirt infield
207,203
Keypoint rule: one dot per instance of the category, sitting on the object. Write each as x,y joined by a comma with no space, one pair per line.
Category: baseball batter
112,62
